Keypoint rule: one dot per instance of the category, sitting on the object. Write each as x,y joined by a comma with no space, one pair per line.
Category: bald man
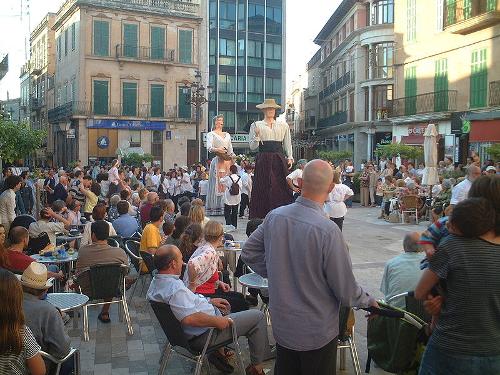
305,258
461,190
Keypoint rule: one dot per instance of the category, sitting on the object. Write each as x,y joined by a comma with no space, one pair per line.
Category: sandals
104,317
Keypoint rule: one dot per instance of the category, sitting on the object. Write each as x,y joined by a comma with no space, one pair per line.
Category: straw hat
35,277
268,103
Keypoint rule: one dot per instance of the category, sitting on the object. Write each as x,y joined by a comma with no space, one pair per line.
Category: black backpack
235,188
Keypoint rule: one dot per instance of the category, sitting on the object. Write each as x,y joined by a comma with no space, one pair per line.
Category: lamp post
197,98
372,129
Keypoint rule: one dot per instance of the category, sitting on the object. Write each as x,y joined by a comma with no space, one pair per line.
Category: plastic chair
409,204
132,248
105,282
75,353
178,342
346,341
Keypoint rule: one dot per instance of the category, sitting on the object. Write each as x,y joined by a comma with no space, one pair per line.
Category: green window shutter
157,43
491,5
467,9
101,38
129,40
441,85
451,12
478,79
129,99
100,100
411,91
411,20
73,37
184,108
157,95
185,46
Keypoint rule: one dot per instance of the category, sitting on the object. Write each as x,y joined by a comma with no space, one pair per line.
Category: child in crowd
203,187
379,192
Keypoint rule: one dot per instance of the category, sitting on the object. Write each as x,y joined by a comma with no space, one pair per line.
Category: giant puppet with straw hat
272,139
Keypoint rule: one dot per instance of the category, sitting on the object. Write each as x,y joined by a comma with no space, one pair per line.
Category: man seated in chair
197,314
43,319
99,253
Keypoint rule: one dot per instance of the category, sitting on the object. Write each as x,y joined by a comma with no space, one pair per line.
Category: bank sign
235,138
125,124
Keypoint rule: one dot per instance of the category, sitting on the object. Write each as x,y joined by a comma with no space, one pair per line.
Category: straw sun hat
35,277
268,103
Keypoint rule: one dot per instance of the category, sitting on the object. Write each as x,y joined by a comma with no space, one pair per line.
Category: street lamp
197,98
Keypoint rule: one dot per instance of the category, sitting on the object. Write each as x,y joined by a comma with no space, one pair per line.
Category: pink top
113,176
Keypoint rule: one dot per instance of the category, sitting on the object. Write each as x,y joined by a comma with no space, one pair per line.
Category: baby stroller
396,338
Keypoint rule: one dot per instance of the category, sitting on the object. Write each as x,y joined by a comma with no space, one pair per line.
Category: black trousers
339,221
231,215
236,300
245,202
322,361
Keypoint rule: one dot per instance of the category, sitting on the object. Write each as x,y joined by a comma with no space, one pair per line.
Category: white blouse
280,131
335,206
214,140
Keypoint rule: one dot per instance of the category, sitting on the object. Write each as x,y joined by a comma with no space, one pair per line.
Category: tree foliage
136,160
18,140
494,151
395,149
334,156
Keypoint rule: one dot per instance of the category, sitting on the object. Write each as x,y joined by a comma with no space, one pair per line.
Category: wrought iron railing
439,101
118,110
142,53
336,119
494,94
462,10
337,85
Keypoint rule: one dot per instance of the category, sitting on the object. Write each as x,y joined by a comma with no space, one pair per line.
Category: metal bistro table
253,280
66,262
67,302
67,238
232,252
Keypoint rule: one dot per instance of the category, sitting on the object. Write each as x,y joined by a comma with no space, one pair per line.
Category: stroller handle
385,312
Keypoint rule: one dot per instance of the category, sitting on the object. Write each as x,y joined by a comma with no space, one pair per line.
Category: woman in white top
113,178
335,207
174,188
218,142
8,201
186,186
272,138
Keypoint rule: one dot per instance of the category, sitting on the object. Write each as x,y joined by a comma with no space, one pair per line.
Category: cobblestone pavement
111,351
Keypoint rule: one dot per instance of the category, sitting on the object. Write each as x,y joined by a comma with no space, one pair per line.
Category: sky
304,21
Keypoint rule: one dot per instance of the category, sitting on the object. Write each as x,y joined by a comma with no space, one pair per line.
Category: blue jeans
437,361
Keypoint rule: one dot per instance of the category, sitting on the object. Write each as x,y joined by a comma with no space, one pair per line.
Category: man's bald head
164,259
473,172
317,178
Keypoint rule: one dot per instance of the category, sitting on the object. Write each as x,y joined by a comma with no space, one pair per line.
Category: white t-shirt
203,187
460,191
231,200
335,206
294,176
246,181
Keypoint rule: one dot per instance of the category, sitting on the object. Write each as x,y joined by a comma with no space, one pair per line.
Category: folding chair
178,342
132,248
58,362
104,282
346,341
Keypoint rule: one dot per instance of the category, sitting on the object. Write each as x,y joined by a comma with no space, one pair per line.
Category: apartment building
246,60
123,71
355,65
447,73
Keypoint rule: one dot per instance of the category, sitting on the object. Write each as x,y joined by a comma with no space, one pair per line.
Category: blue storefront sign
126,124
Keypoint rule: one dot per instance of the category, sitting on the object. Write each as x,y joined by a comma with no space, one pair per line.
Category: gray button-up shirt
306,261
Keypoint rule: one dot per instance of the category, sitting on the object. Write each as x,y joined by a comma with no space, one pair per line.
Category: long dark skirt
270,189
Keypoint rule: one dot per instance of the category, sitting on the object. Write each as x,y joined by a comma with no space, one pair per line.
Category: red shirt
209,286
145,211
18,261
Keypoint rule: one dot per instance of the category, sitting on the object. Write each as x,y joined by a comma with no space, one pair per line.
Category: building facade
121,82
446,74
24,78
10,109
246,59
355,67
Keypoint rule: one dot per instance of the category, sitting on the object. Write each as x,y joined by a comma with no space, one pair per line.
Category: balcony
36,104
116,110
494,94
145,54
340,83
336,119
439,101
466,16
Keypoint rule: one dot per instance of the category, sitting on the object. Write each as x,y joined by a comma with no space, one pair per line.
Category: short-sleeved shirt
183,302
150,237
15,364
49,227
469,322
295,176
90,202
125,225
460,191
18,261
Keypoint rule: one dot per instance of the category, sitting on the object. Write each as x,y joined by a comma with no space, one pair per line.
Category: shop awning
485,131
414,139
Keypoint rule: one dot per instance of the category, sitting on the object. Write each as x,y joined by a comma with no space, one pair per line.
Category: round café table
67,302
67,263
253,280
231,252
